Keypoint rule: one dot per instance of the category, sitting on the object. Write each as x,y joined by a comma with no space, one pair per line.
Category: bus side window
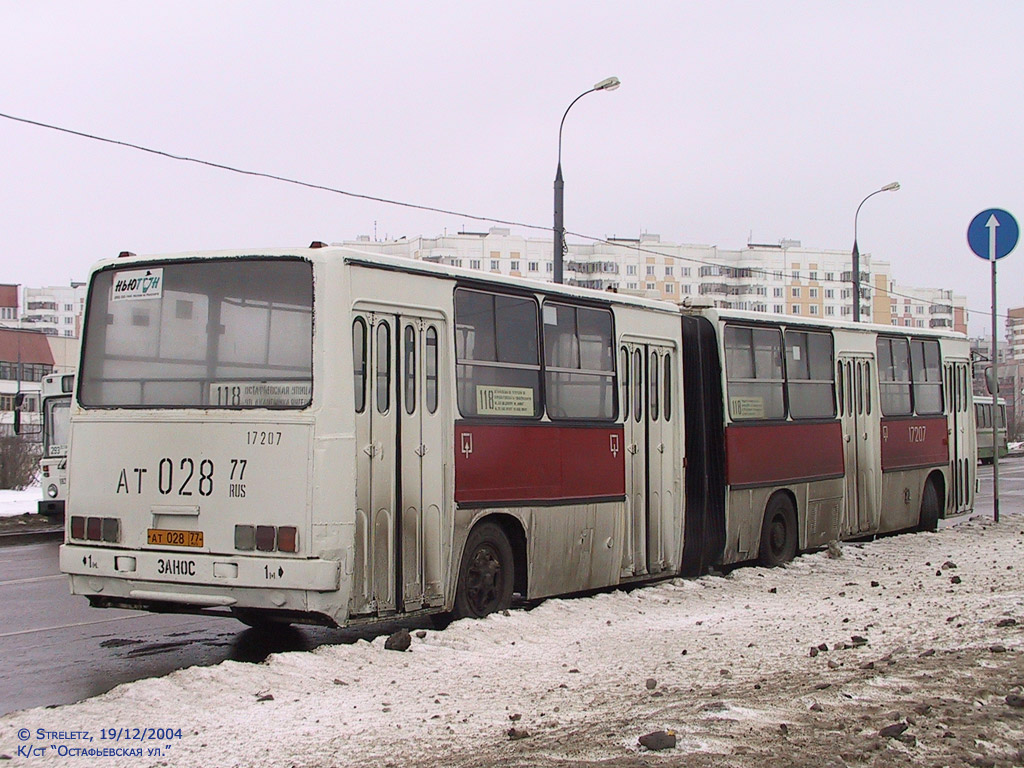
410,369
753,369
668,387
624,374
849,387
383,384
497,355
359,363
654,385
579,362
926,373
867,386
860,388
894,381
430,396
809,375
840,389
638,386
965,388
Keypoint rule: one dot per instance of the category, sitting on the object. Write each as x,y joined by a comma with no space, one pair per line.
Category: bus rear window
231,333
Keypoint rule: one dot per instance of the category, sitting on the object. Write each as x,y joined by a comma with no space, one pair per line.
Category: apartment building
8,303
1015,334
782,278
25,358
54,310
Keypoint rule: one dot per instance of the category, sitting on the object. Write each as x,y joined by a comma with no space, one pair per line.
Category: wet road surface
55,649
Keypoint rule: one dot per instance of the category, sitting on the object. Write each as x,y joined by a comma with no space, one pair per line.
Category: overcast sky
735,121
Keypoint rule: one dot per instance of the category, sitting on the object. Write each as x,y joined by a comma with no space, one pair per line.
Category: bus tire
928,520
487,573
778,532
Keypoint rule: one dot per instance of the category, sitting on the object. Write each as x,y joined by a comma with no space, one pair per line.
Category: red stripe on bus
774,454
538,462
917,442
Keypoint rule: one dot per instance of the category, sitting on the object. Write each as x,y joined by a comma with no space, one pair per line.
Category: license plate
162,537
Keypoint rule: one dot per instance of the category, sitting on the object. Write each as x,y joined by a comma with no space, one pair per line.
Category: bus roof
397,263
763,317
350,255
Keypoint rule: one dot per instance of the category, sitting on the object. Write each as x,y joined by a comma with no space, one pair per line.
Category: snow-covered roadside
923,630
24,502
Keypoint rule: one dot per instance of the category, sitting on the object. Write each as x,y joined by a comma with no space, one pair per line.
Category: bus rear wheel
778,532
928,520
486,575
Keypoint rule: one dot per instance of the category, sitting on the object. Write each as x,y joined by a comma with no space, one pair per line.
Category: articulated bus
985,413
55,397
327,436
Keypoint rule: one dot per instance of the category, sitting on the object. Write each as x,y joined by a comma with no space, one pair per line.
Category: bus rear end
192,445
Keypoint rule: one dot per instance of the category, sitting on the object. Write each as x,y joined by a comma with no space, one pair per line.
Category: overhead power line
429,208
264,175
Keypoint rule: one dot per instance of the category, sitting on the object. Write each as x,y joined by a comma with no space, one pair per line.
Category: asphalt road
55,649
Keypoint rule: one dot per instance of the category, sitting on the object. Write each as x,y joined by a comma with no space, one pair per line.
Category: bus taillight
267,538
106,529
288,538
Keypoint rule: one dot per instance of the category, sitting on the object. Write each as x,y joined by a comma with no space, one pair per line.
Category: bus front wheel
486,575
778,532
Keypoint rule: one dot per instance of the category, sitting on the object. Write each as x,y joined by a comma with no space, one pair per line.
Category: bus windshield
57,418
225,333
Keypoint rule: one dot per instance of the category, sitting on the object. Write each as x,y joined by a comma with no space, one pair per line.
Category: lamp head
890,187
608,84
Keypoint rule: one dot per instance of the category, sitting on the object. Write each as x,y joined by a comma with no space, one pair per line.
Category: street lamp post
608,84
856,252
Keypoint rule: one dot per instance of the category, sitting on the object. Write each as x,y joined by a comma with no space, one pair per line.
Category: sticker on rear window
138,284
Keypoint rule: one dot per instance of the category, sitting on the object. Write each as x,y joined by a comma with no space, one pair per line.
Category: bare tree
19,461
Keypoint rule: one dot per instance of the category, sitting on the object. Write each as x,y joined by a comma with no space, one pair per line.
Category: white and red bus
329,436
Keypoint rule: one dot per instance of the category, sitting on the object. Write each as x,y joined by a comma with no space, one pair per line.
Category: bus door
859,417
957,382
422,462
400,463
650,460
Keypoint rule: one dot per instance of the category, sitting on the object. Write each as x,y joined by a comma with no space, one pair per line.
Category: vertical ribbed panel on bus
704,532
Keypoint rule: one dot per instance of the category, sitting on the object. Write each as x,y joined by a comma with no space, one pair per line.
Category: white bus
55,402
985,414
323,435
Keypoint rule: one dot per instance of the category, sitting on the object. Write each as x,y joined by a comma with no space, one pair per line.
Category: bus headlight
51,491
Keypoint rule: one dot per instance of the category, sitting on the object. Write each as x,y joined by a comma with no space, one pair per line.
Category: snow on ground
922,631
24,502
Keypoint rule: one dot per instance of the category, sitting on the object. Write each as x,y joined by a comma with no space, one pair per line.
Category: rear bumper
196,579
51,507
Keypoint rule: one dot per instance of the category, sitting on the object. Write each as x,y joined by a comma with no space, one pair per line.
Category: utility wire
387,201
263,175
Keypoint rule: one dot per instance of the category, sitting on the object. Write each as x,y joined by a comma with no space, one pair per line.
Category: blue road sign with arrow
993,233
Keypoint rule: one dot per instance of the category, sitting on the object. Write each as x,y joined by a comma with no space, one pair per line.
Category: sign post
992,234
